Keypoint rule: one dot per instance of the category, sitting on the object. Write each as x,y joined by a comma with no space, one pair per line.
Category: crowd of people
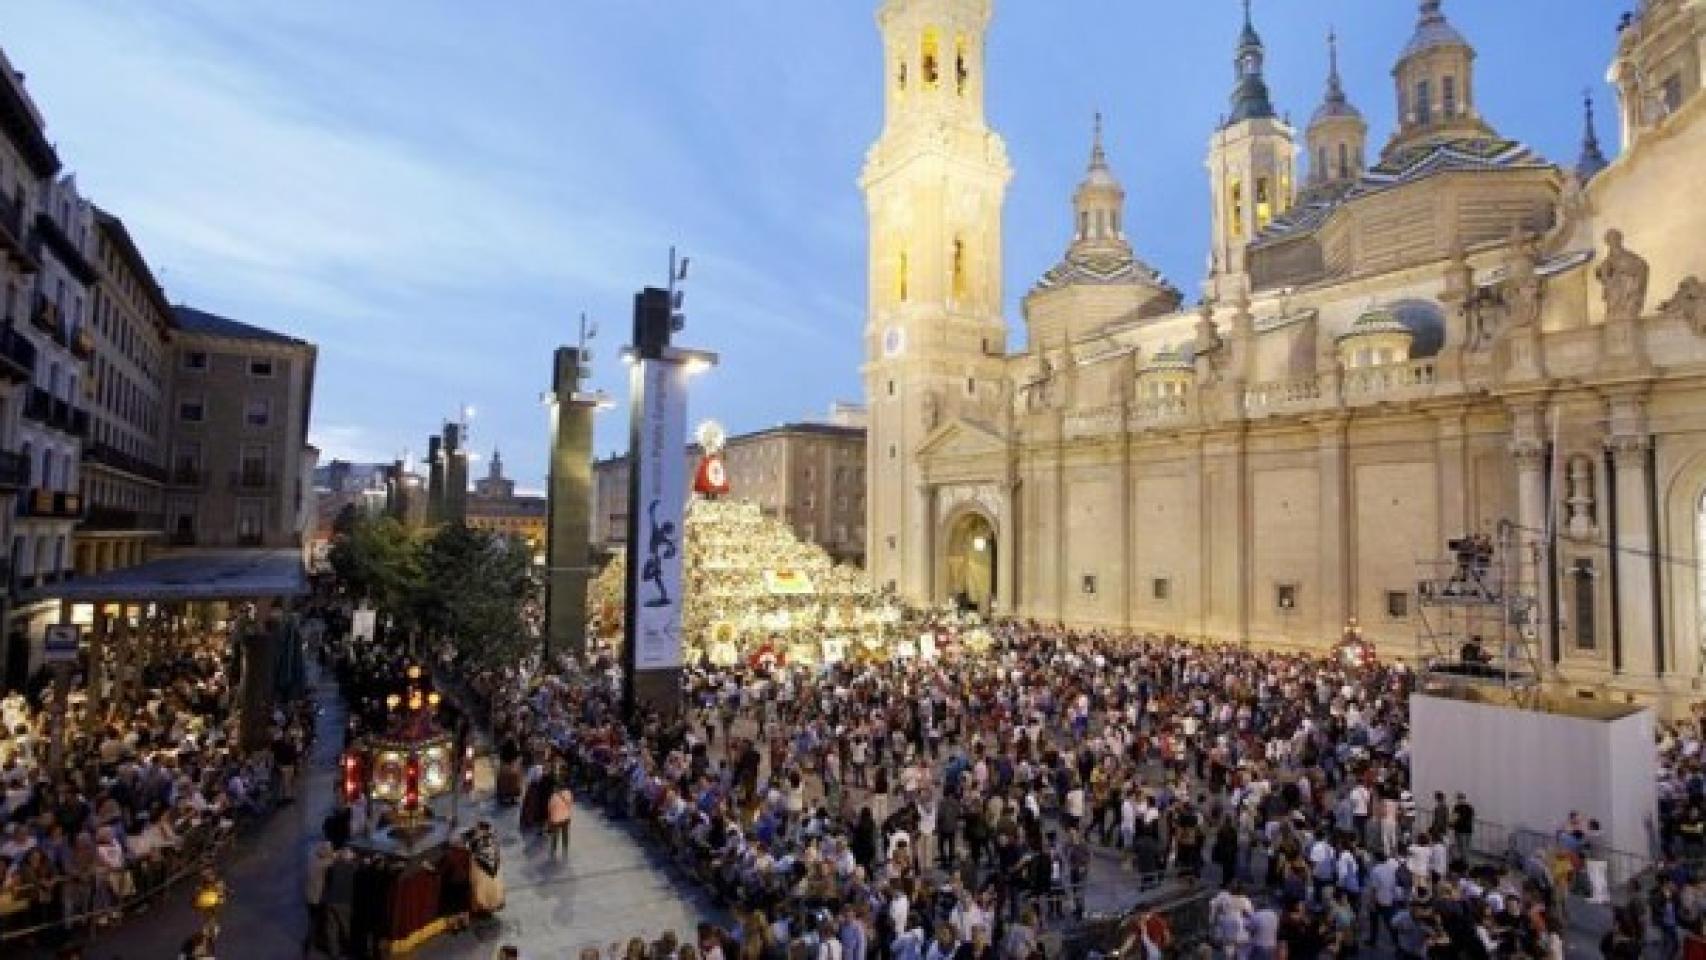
148,781
971,804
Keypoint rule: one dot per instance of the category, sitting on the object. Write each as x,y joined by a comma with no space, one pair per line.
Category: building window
1160,588
1344,160
195,360
1670,93
1581,588
249,524
1424,104
1448,97
891,451
257,411
1398,604
1089,584
260,366
931,53
1285,597
190,411
1235,209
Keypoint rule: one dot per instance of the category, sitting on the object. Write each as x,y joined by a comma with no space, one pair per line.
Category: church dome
1432,31
1376,321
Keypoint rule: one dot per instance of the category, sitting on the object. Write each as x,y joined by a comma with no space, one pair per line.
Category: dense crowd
150,782
957,806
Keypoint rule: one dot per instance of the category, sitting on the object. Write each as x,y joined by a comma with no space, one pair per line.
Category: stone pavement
607,888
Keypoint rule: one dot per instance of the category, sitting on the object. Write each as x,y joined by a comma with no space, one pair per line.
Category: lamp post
657,494
209,900
568,565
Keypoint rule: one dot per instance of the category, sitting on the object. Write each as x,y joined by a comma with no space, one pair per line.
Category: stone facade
1456,338
238,431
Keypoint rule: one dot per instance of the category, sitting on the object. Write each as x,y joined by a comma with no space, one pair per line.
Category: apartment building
124,456
238,433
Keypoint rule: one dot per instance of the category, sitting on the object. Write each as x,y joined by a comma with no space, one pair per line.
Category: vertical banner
655,550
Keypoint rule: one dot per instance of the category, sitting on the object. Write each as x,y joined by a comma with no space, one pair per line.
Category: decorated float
754,591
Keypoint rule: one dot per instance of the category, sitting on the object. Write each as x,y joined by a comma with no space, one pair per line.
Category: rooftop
210,324
201,575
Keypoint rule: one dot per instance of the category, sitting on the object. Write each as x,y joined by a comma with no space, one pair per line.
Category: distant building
496,507
809,475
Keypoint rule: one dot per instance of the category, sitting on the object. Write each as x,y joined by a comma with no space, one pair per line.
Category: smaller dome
1333,109
1250,100
1432,31
1378,320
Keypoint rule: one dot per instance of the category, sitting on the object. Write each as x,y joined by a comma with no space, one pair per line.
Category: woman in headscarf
488,886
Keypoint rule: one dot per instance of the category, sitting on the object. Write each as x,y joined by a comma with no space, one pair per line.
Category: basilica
1429,339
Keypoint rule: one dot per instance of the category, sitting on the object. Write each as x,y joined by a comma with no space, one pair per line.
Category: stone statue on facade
1521,287
1688,303
1622,277
931,410
1039,393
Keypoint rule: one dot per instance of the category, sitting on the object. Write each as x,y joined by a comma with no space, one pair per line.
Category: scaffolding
1479,620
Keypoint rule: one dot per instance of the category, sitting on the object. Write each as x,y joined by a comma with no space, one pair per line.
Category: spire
1592,159
1335,103
1098,156
1250,99
1335,88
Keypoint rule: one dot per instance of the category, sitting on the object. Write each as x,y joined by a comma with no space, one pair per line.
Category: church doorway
972,561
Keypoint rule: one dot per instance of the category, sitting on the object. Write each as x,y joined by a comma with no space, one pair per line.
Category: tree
472,587
377,559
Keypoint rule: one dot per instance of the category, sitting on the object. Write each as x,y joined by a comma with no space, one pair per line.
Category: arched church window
1424,105
930,59
1321,170
1084,225
1344,160
902,279
1235,209
900,76
1264,203
959,268
962,67
1448,97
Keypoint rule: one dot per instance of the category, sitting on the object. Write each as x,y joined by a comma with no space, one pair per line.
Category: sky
434,191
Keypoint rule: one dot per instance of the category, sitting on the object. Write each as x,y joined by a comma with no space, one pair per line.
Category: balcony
110,456
48,233
12,235
17,356
46,316
38,405
83,344
116,518
252,481
14,470
50,411
51,504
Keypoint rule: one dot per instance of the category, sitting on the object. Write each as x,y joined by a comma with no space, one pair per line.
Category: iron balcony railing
17,355
110,456
53,504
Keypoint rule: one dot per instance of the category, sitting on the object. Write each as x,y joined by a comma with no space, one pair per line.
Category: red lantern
352,776
412,784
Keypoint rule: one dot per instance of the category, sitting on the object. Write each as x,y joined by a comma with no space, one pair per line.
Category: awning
200,575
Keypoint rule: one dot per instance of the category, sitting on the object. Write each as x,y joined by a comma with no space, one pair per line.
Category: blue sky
434,190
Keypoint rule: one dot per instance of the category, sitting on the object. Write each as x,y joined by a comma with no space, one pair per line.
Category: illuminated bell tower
1250,163
934,186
